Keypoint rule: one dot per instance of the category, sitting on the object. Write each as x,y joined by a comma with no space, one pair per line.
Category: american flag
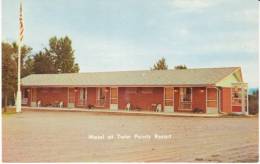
21,26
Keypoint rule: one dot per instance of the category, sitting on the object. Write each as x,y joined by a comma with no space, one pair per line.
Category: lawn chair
159,108
61,104
38,103
128,105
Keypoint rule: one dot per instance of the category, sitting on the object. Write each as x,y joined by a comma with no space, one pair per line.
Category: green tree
26,59
160,65
180,67
253,105
63,54
9,69
28,66
9,73
43,62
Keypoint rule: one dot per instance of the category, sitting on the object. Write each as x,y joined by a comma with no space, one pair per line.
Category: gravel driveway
83,137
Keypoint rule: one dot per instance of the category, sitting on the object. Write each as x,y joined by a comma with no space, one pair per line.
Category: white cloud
246,16
192,5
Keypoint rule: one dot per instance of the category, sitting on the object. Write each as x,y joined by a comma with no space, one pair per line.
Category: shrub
197,110
253,103
90,106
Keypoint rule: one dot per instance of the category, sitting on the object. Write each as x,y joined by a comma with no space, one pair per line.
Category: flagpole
19,95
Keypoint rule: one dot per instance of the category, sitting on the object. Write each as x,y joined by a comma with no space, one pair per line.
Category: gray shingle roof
198,76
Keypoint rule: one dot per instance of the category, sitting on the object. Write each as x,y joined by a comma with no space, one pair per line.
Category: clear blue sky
132,34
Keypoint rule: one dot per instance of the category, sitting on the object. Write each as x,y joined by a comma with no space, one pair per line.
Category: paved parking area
45,136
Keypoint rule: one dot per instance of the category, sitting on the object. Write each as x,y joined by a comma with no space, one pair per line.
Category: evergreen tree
180,67
160,65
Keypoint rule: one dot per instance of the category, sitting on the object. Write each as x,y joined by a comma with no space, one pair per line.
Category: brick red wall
50,95
226,100
139,99
199,98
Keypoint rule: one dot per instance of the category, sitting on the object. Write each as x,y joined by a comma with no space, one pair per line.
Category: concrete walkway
122,112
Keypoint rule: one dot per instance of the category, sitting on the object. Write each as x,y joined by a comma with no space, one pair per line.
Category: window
168,96
236,96
212,97
101,96
185,98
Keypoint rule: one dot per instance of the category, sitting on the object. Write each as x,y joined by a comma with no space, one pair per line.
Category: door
168,99
82,97
114,98
101,97
185,99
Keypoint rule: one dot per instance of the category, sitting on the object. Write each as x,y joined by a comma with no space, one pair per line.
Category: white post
18,96
20,38
247,109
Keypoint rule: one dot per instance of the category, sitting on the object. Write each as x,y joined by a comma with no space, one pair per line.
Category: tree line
161,65
58,57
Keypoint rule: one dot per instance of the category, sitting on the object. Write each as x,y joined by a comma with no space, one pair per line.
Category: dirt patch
64,137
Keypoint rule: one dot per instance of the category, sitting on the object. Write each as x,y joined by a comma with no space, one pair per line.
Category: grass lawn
45,136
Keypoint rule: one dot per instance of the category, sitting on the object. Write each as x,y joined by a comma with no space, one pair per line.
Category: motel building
207,90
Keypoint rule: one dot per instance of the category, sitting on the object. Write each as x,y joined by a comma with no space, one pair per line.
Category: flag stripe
21,28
